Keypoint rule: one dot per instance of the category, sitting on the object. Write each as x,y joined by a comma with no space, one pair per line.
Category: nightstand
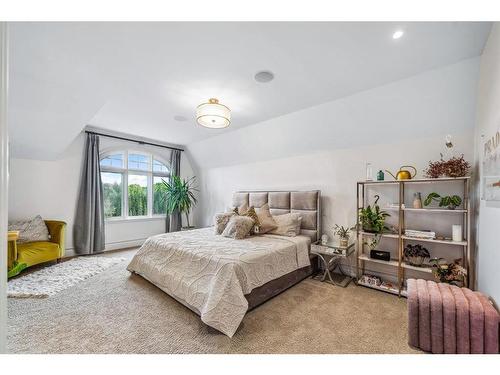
330,256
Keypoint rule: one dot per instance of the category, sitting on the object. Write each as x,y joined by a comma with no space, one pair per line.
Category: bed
220,278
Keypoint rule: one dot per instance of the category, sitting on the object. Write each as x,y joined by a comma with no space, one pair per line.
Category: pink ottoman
443,318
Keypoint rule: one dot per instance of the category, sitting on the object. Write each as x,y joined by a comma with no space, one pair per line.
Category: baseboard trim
110,246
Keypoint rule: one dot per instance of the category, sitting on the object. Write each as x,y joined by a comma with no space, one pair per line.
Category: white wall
50,188
327,147
488,123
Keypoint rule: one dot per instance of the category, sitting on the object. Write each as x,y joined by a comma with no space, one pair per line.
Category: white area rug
51,280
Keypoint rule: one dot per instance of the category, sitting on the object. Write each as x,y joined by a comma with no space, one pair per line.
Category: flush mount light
264,76
398,34
213,114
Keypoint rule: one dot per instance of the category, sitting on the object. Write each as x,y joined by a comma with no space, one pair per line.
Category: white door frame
4,165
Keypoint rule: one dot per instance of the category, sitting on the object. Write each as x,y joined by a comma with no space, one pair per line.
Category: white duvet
211,274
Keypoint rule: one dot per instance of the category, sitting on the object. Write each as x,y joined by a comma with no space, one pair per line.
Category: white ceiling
135,77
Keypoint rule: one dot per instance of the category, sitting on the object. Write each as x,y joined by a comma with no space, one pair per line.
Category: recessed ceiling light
264,76
180,118
398,34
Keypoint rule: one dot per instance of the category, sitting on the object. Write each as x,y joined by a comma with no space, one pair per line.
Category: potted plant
452,273
343,233
451,202
179,196
454,167
416,254
372,220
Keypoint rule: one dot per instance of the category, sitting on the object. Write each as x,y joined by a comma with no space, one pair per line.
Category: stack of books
426,234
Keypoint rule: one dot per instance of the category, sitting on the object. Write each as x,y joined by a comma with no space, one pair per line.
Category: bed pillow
288,225
240,209
238,227
266,220
221,220
253,215
30,230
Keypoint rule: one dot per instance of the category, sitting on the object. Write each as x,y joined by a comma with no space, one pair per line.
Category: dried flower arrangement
451,273
454,167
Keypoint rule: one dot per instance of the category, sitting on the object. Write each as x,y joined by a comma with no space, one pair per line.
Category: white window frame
125,172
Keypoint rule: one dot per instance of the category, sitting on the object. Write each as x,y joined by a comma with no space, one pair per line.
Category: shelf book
396,270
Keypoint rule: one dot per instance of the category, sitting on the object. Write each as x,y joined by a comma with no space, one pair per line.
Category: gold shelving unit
398,265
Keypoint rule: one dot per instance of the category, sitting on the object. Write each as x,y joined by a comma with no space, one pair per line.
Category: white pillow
288,224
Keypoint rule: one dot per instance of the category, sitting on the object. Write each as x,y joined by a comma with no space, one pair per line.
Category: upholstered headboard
307,203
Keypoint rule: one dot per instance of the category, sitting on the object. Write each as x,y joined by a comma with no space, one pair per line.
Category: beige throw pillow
241,209
31,230
287,224
221,220
238,227
266,220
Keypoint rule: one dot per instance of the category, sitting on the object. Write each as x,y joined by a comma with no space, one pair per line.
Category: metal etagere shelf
398,265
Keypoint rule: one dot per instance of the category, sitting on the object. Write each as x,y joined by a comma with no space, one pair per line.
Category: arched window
133,184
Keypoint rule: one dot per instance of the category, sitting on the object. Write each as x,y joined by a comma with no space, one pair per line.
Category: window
133,184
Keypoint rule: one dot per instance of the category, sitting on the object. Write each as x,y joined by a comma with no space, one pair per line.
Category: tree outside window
144,192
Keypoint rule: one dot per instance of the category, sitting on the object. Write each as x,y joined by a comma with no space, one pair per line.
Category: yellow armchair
28,254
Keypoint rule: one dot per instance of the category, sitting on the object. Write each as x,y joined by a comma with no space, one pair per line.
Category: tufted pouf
444,318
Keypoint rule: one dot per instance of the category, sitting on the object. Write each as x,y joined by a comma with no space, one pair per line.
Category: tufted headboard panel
307,203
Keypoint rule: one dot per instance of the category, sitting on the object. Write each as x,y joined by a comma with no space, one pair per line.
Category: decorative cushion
221,220
238,227
266,220
30,230
240,210
288,225
253,215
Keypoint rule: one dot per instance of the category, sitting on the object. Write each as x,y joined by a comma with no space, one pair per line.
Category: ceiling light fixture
398,34
264,76
213,114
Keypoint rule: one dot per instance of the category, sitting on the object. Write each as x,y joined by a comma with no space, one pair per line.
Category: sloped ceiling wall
436,102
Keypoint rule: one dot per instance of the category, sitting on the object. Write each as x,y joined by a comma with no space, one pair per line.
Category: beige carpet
115,312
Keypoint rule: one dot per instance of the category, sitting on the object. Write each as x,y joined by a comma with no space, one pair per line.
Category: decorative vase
344,241
417,200
415,261
324,239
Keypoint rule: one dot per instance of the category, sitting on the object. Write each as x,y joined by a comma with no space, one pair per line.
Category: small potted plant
343,233
451,202
452,273
373,219
416,254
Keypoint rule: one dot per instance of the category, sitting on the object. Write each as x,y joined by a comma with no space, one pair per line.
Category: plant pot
344,241
368,229
415,261
451,207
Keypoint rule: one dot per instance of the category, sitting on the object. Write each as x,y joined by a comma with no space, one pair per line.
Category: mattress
211,274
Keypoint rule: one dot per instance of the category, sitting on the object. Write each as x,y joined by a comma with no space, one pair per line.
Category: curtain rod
133,140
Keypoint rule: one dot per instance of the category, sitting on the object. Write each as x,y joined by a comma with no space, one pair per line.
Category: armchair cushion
31,253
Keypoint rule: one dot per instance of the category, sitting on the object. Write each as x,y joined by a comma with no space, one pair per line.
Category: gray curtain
174,221
88,230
